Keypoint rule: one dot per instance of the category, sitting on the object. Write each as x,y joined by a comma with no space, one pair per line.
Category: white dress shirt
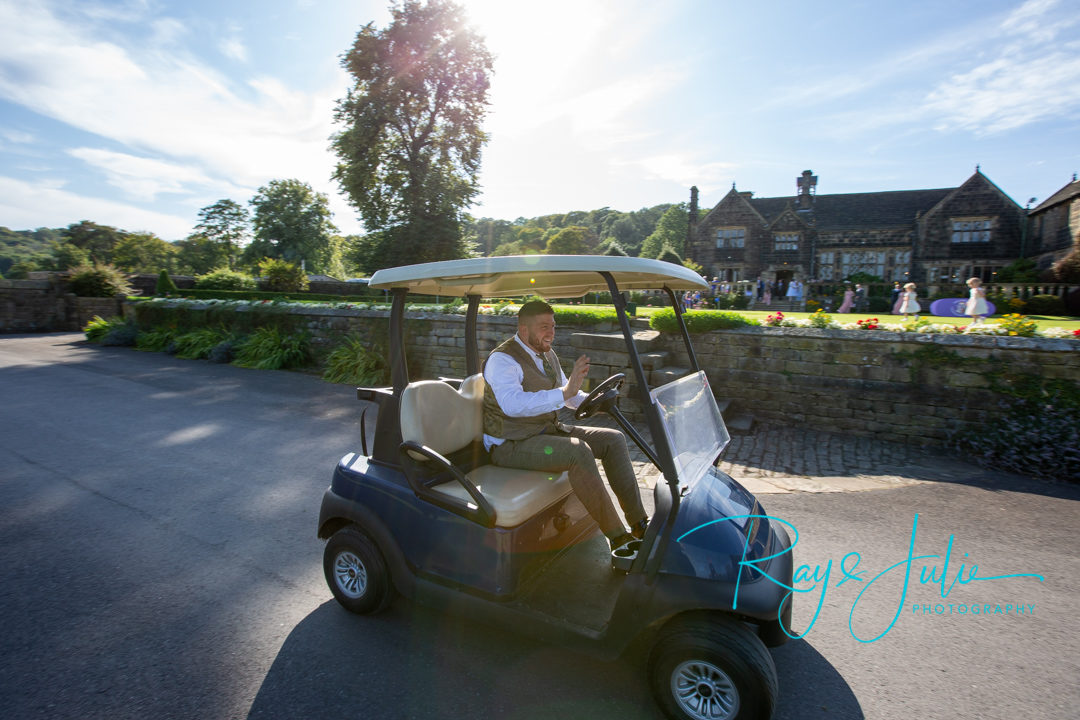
504,375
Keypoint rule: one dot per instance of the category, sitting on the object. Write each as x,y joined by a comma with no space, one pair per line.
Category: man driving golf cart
429,514
524,389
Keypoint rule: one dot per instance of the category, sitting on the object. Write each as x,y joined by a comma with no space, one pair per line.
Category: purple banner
954,307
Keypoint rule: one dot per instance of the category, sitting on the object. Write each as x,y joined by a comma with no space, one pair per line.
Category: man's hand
577,376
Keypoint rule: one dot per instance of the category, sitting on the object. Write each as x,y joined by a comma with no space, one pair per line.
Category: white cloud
46,204
18,137
144,178
1031,76
164,102
685,170
234,49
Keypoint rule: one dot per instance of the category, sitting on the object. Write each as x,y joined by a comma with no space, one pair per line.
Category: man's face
538,332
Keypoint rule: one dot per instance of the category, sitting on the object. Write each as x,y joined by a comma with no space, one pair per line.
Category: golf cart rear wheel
712,669
356,572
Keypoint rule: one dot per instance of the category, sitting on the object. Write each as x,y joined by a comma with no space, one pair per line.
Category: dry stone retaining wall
898,386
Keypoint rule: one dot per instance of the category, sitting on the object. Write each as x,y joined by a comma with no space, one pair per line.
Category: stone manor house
925,236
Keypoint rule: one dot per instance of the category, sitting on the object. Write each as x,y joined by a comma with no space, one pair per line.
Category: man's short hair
534,308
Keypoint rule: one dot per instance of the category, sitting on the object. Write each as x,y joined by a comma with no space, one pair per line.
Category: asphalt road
159,559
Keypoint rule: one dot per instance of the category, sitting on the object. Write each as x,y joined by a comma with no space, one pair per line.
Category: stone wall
31,306
44,305
898,386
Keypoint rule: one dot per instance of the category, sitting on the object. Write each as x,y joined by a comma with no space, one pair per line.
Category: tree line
291,222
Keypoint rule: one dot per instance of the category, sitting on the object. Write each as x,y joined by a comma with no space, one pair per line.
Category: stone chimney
807,185
692,213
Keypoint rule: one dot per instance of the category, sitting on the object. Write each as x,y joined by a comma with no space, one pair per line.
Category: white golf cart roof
550,276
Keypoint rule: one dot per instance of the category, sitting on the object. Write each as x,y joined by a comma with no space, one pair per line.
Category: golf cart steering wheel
601,398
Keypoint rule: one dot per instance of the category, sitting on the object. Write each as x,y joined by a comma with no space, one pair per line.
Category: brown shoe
638,529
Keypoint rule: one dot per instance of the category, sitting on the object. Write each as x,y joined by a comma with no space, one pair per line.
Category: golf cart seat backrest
447,420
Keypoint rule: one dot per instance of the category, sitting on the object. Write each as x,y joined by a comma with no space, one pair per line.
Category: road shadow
810,687
413,662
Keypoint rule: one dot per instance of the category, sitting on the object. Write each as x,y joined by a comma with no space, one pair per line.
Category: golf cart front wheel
356,572
712,669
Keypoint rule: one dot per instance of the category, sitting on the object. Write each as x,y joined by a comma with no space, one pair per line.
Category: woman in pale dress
976,304
909,303
849,301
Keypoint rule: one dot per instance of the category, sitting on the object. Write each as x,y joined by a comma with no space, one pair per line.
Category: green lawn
1070,323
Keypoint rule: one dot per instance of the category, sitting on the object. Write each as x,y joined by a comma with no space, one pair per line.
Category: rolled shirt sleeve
504,376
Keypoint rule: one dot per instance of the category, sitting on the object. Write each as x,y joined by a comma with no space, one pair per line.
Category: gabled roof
858,210
1066,193
738,197
976,179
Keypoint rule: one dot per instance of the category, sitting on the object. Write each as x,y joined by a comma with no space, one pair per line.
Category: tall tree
225,222
144,253
292,222
670,231
97,240
197,255
574,240
410,151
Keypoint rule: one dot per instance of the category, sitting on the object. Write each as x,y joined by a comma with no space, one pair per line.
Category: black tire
772,632
712,668
356,572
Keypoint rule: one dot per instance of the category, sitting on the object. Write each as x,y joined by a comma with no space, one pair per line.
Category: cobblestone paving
779,459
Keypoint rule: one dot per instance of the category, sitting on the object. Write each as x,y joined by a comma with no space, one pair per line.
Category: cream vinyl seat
446,420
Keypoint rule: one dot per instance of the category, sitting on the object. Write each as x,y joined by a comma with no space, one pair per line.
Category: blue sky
137,113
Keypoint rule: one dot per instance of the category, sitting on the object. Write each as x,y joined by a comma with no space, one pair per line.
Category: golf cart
425,513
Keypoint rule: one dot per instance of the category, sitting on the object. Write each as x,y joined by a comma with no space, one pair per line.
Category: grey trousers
577,453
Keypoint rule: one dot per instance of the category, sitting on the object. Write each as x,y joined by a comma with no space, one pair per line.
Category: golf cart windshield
693,425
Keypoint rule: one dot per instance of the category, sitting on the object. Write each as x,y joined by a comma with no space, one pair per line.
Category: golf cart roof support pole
652,417
665,462
399,373
682,326
472,354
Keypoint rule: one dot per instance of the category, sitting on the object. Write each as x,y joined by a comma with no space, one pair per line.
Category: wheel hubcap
704,691
350,574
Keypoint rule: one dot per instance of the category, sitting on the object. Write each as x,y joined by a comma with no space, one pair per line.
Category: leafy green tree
292,223
165,284
670,230
143,253
532,238
66,256
573,240
281,276
410,149
1068,268
223,278
696,267
98,280
198,255
19,270
1019,271
34,248
668,254
614,249
225,222
97,240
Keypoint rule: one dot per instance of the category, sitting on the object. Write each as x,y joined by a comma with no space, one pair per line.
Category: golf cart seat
449,421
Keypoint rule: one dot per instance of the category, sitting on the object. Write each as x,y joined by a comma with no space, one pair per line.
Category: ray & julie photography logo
950,572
